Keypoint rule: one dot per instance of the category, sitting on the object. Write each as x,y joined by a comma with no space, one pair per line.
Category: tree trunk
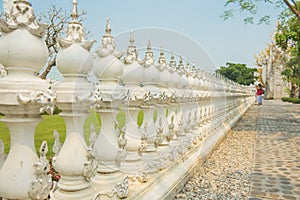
293,90
51,64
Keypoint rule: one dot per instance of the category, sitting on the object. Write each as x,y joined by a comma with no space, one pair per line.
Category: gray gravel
226,173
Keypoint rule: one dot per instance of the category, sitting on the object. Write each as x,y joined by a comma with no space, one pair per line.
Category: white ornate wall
194,110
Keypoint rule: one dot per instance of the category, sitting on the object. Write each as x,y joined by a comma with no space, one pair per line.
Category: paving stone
286,192
274,196
258,160
273,190
289,197
285,182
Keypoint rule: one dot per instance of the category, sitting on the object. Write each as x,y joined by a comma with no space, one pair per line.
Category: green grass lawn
46,127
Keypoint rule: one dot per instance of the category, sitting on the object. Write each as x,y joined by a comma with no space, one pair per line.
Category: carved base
73,188
108,167
150,156
164,142
132,164
106,182
150,147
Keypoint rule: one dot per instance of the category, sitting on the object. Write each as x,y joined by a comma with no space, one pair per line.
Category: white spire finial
180,65
131,51
74,13
172,64
131,40
149,45
162,50
108,28
172,56
162,60
148,60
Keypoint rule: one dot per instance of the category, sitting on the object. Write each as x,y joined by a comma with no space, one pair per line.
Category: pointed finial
149,58
131,40
180,67
188,64
172,64
162,59
180,64
131,51
194,69
149,45
74,13
172,56
108,28
162,50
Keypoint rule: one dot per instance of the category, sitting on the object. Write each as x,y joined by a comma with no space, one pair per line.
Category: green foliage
140,118
155,116
4,136
121,119
288,39
239,73
291,100
45,129
56,111
296,101
253,9
285,99
92,119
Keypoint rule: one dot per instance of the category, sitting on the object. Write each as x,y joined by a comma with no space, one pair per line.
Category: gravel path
226,173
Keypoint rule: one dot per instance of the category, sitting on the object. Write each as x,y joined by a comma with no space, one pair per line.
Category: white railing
185,113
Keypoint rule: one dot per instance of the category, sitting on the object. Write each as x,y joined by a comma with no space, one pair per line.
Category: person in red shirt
259,92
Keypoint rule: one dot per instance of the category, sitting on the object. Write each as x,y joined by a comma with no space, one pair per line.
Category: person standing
259,92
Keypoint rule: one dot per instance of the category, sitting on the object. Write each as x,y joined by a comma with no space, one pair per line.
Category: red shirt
259,91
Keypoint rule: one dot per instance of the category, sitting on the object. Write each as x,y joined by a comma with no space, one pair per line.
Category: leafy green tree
288,39
251,8
239,73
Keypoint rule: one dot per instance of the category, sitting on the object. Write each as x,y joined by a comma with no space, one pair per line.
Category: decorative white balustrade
185,111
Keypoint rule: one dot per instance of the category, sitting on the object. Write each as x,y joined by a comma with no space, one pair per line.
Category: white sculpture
74,160
57,144
109,146
3,72
108,45
131,53
21,62
41,186
23,96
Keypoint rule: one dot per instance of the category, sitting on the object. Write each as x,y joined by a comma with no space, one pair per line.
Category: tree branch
50,64
293,8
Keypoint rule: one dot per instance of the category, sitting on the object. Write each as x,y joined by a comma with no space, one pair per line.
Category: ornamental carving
22,16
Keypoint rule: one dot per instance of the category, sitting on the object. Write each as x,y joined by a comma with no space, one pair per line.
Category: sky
192,29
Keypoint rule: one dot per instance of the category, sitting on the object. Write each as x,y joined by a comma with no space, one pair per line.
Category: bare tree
57,20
